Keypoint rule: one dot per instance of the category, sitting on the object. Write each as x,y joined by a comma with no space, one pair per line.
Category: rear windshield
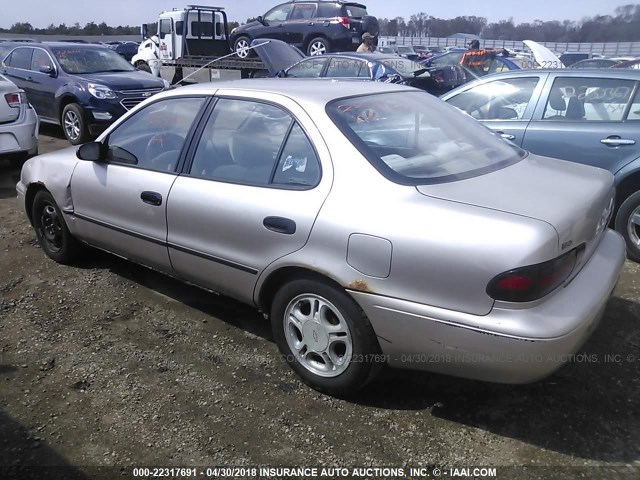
79,60
413,138
355,11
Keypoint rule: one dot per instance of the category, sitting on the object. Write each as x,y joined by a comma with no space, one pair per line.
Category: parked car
372,223
595,63
126,49
81,87
18,124
499,63
407,51
635,64
585,116
287,61
316,27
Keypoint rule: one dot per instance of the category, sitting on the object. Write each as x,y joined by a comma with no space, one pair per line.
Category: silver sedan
374,224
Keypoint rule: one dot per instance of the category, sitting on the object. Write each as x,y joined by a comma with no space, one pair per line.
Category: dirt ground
107,364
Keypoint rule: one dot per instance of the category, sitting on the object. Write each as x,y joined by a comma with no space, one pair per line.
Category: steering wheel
162,143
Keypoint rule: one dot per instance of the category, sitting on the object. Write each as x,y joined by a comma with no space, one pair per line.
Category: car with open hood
372,224
285,61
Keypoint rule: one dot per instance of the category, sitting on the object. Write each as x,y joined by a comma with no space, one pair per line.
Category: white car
18,124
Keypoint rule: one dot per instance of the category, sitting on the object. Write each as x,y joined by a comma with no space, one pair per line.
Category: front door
121,205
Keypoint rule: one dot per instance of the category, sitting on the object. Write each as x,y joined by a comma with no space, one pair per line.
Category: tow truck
191,45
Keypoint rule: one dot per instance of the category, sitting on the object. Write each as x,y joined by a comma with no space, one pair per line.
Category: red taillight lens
344,21
13,99
533,282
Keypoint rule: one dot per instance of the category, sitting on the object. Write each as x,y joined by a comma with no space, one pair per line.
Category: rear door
587,118
250,195
301,19
505,105
17,68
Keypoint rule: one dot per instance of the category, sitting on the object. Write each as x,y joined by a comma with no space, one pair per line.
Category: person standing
367,45
476,60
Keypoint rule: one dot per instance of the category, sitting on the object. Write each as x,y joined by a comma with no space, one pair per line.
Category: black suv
315,27
82,87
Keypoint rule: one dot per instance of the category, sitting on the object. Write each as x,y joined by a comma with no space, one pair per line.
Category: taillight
344,21
14,99
530,283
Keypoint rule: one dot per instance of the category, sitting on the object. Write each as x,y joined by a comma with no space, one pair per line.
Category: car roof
53,44
316,91
573,72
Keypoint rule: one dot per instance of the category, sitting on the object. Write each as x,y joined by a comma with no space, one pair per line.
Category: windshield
78,60
413,138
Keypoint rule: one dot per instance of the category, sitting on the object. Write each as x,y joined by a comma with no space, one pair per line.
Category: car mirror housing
92,152
48,69
262,21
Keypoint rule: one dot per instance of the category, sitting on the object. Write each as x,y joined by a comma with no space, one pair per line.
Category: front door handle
152,198
506,136
616,141
280,225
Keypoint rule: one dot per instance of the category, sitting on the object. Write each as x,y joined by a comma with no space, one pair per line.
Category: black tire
74,124
353,371
51,230
629,230
318,46
239,46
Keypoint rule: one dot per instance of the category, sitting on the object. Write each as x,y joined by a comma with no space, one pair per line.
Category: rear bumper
421,337
20,136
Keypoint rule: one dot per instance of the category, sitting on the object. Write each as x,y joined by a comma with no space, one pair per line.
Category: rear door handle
151,198
280,225
615,141
506,136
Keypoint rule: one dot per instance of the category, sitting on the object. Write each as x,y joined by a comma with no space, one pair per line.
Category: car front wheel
318,46
325,337
51,230
628,225
74,124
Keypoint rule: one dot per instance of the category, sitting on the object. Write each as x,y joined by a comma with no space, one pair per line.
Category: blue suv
82,87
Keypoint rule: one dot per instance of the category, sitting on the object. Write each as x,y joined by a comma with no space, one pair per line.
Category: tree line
623,26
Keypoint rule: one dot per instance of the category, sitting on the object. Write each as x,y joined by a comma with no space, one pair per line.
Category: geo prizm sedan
373,223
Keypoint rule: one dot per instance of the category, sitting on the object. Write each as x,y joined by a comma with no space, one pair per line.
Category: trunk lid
7,113
575,199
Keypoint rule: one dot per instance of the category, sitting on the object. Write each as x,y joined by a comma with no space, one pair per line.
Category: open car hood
545,57
276,54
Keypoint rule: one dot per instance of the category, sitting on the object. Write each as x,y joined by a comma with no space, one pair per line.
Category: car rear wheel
325,337
628,225
241,47
318,46
74,124
51,230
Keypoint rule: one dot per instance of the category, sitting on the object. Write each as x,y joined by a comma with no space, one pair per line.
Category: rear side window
202,29
303,11
311,68
347,68
634,113
20,58
591,99
253,143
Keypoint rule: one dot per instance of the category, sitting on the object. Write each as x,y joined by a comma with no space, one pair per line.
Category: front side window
310,68
497,100
165,27
153,137
278,14
20,58
254,143
413,138
591,99
79,60
40,59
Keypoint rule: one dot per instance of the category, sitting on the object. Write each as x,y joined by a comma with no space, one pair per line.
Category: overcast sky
41,13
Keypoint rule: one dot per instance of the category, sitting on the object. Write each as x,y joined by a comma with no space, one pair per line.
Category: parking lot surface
106,363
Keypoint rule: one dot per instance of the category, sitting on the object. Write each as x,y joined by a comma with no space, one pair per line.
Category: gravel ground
107,364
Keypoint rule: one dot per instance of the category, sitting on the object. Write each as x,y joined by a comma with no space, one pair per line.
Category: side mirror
48,69
262,20
144,31
92,152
